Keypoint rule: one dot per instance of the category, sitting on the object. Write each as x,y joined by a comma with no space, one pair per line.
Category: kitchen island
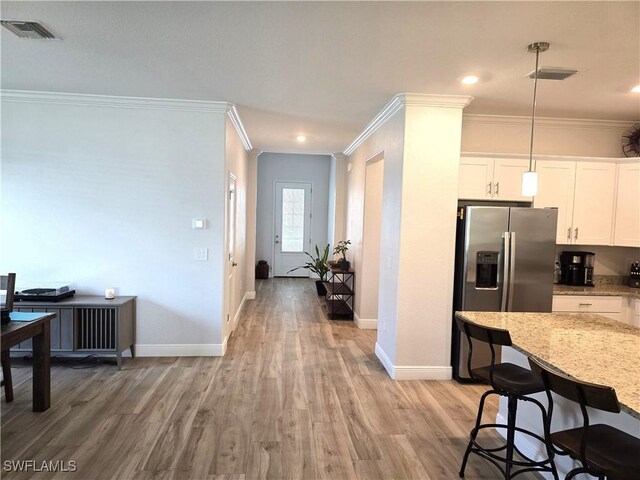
589,347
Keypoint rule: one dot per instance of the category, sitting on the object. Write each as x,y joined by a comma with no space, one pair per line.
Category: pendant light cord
533,109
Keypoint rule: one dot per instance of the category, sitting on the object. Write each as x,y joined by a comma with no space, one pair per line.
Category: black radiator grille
96,329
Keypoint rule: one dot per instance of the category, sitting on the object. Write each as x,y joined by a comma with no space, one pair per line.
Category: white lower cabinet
612,307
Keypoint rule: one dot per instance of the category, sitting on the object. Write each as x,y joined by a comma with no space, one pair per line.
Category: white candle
110,293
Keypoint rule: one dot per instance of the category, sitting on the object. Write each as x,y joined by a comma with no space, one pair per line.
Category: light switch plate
200,223
201,254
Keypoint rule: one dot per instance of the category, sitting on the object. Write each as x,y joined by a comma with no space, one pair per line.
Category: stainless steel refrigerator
505,258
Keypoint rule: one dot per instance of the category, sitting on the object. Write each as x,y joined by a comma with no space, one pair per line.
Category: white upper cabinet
556,184
583,192
488,178
626,232
507,177
593,203
476,177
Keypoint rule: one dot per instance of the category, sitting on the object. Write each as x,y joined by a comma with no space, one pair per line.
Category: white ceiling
324,69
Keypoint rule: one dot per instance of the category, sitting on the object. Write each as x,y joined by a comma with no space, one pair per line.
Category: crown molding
546,122
427,100
76,99
232,113
403,100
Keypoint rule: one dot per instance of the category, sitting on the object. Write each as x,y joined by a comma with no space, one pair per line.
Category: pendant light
530,178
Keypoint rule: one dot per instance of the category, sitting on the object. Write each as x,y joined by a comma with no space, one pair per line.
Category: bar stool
515,383
604,451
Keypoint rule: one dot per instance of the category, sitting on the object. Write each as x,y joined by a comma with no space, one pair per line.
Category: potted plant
317,265
341,249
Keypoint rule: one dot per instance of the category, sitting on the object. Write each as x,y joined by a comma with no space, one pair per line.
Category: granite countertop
598,290
586,346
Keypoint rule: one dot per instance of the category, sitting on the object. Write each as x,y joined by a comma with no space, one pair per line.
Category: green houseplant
341,249
317,265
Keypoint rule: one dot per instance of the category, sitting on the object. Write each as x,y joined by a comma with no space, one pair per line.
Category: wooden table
37,327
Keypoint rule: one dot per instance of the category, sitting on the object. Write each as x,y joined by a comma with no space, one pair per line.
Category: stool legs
510,447
474,432
6,375
512,407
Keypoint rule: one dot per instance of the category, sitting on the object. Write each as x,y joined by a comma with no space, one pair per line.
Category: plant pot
322,290
345,265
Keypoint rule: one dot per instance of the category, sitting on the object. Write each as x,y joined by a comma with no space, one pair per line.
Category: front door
231,247
292,235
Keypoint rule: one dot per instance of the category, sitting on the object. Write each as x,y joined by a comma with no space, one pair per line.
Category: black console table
87,324
340,293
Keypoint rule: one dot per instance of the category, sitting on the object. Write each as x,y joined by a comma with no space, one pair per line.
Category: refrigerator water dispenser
487,269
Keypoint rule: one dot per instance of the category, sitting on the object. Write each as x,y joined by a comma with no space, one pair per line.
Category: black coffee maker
576,268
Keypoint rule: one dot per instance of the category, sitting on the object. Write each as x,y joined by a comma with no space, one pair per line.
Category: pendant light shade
530,178
529,184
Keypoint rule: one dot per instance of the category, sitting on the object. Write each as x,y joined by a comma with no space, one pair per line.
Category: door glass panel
292,219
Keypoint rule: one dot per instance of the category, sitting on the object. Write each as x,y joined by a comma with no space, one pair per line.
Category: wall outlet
201,254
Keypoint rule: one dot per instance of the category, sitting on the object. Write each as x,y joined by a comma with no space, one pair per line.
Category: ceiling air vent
552,73
28,29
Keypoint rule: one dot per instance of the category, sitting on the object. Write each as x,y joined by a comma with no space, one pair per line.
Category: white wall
101,191
237,163
369,278
291,167
503,134
419,138
387,141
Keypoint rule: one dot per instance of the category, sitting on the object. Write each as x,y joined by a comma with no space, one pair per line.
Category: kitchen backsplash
610,261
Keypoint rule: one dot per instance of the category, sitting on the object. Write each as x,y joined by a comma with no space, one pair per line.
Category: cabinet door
476,178
627,222
556,184
507,178
593,203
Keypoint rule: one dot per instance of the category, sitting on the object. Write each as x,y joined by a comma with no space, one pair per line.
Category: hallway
296,396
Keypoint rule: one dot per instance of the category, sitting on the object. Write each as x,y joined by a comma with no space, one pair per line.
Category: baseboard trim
250,295
365,323
182,350
384,359
405,372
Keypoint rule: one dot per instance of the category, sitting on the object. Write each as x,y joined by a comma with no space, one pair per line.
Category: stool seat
608,449
510,378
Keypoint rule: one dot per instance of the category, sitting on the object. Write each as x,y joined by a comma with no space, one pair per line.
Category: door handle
569,233
277,238
497,188
234,264
489,188
505,270
576,236
512,270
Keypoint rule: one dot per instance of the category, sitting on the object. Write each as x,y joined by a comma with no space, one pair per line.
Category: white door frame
230,245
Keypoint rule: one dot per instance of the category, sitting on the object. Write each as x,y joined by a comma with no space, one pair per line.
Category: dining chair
8,287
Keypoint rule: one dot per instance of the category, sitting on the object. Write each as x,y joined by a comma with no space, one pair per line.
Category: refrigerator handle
506,246
512,270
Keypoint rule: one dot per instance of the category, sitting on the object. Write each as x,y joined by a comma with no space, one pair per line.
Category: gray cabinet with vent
87,324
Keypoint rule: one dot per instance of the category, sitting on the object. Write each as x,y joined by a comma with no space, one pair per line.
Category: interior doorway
292,228
231,246
370,268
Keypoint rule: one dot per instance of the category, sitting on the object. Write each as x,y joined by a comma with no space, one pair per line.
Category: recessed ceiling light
301,138
469,80
636,89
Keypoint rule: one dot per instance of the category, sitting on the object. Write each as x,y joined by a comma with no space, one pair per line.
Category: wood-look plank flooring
296,397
